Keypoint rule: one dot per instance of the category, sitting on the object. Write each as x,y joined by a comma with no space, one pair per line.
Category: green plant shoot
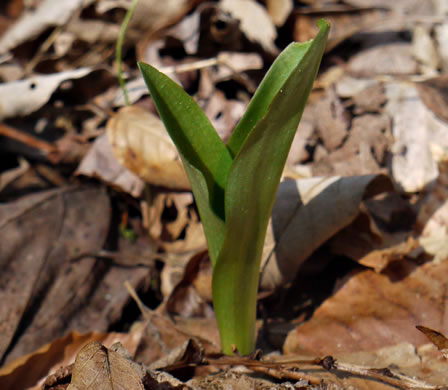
235,184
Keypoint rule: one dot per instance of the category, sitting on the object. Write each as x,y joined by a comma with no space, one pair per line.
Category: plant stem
118,51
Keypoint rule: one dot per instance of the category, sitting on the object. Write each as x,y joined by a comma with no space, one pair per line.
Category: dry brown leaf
415,128
425,50
161,335
279,10
370,99
255,22
348,87
185,299
332,120
441,36
390,58
434,94
68,221
141,144
100,162
363,151
371,311
150,15
363,242
345,21
432,218
27,370
13,174
306,214
23,97
49,13
104,369
437,338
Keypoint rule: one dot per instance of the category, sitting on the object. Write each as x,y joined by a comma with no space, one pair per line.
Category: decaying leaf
141,143
390,58
150,15
424,49
19,98
434,94
332,120
30,262
50,13
306,214
101,368
432,219
437,338
279,10
414,129
100,162
61,352
255,22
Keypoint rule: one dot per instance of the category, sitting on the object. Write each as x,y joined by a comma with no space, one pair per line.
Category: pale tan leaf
255,22
414,129
279,10
424,49
19,98
100,162
306,214
141,143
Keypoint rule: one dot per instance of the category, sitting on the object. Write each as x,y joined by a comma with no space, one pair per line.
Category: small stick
27,139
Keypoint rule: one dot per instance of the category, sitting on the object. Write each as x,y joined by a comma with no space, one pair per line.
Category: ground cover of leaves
105,280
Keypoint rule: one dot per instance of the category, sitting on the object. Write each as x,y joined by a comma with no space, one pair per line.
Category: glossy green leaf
206,159
259,105
251,188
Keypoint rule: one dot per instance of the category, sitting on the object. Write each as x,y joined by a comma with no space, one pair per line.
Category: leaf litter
355,256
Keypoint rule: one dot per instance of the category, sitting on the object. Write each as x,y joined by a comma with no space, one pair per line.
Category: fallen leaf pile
105,280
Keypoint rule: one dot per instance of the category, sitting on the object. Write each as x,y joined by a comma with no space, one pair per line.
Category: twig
45,147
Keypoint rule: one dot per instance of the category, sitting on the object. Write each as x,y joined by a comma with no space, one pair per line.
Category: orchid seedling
235,183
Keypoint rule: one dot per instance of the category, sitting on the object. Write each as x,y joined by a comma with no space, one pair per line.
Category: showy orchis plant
235,184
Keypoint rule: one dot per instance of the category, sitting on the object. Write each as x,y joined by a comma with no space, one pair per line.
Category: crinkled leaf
250,193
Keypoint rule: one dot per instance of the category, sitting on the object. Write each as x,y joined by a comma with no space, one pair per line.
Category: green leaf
251,188
273,81
206,159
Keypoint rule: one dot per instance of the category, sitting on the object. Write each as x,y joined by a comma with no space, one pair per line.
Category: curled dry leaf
255,21
306,214
100,162
141,143
97,367
437,338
